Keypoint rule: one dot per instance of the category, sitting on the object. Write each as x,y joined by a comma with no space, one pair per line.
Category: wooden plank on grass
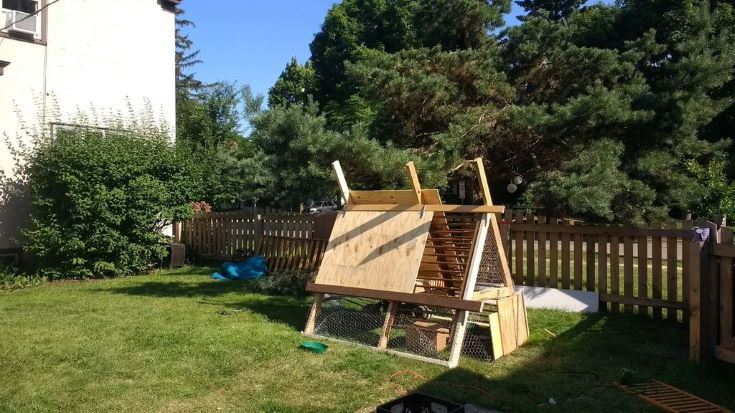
656,264
628,270
642,272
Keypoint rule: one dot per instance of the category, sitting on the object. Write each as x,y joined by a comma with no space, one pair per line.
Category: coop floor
177,341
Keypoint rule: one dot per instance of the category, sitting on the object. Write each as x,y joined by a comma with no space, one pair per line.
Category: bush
100,201
12,279
284,283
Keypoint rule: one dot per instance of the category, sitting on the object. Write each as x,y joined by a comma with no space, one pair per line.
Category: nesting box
427,337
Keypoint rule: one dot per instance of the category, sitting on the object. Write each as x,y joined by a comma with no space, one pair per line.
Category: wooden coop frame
405,246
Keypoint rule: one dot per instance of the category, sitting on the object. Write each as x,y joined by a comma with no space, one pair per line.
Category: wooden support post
313,313
414,178
495,230
390,317
460,328
342,183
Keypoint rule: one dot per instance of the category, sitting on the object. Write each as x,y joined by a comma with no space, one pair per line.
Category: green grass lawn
176,341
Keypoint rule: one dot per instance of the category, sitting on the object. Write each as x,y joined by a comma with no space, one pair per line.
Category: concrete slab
573,301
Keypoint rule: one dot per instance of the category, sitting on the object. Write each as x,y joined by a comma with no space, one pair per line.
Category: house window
25,6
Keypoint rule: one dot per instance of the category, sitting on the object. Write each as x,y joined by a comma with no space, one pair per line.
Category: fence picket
565,240
614,271
656,268
519,251
530,254
554,259
541,281
642,272
578,260
590,262
628,270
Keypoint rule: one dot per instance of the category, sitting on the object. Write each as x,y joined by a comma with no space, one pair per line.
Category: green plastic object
314,346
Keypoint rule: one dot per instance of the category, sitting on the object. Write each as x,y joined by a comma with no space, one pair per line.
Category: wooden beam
421,299
484,188
492,294
468,209
648,302
311,321
342,183
390,317
460,328
415,184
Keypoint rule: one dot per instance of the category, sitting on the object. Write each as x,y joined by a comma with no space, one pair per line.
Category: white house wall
98,53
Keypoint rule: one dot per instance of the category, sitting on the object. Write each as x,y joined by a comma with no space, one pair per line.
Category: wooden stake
390,317
342,183
311,321
415,184
458,339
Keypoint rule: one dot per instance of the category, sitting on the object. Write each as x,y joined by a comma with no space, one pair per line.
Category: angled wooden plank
344,189
390,317
484,188
414,178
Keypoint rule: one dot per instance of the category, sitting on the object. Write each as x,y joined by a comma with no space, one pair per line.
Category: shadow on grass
575,370
282,309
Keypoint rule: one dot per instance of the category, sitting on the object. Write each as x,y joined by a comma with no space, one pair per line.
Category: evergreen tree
294,86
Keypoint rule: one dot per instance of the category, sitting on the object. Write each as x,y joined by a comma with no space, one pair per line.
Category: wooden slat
602,264
628,270
578,237
614,270
607,230
726,300
530,255
467,209
342,182
390,317
590,263
422,299
656,273
541,279
671,273
642,302
695,250
565,259
519,252
643,272
553,259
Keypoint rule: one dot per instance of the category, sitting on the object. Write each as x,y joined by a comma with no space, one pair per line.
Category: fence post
703,306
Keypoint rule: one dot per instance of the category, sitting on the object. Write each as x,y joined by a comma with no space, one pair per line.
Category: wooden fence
287,240
643,270
716,335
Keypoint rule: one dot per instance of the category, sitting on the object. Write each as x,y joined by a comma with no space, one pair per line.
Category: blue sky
251,41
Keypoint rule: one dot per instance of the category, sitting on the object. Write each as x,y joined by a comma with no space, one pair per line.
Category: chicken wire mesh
420,330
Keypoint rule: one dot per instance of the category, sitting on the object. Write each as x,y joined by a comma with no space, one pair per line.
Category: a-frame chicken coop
404,273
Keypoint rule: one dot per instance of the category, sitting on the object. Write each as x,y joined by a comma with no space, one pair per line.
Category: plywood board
375,250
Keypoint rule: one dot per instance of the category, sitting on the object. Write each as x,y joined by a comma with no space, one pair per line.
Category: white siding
99,53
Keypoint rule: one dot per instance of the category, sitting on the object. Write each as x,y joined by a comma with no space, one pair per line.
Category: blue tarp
249,269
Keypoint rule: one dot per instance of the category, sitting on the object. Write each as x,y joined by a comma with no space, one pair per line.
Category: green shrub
284,283
100,200
12,279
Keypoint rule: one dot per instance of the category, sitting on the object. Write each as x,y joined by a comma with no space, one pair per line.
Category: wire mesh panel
358,320
419,330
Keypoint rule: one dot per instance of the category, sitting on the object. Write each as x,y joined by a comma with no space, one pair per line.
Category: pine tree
294,86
